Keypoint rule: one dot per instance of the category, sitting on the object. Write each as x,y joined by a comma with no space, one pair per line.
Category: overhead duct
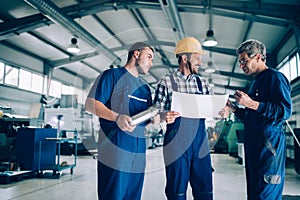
51,11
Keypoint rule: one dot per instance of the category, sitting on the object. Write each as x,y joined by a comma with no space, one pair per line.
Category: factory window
79,93
66,89
290,67
11,75
25,79
37,83
1,72
34,82
285,69
293,67
70,90
30,81
298,64
55,89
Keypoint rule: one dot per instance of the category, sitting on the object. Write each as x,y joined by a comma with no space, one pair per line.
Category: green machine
220,144
227,137
232,139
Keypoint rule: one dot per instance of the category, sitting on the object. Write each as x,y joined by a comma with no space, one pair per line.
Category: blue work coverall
121,155
186,152
264,140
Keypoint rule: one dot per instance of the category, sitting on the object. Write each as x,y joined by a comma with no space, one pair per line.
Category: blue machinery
38,149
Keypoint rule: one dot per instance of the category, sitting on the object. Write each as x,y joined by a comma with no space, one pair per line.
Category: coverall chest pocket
135,100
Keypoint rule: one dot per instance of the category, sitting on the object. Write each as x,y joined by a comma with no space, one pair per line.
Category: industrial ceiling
106,29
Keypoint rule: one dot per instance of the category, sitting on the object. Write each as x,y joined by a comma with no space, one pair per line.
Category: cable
296,139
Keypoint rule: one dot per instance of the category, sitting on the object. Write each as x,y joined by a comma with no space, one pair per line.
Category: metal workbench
58,167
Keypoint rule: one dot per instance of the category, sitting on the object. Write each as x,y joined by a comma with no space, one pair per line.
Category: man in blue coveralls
267,105
186,151
117,94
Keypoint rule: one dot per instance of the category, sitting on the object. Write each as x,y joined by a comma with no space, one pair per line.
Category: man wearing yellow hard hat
186,151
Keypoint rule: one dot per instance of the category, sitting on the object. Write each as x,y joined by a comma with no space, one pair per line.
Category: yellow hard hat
188,45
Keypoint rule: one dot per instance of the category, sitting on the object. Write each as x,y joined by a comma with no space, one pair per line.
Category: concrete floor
229,181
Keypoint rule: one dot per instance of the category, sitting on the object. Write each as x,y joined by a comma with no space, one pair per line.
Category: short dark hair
137,46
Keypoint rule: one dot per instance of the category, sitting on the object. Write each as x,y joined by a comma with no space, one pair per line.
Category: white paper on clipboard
198,106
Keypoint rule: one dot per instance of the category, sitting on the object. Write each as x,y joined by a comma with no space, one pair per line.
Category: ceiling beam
15,27
250,25
222,50
108,29
54,13
25,24
141,20
25,52
242,15
21,50
59,63
171,14
46,41
268,9
152,42
91,66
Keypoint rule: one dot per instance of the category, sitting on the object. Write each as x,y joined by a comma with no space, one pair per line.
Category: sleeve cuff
261,107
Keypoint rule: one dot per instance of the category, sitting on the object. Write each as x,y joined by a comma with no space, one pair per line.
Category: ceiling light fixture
210,40
210,68
73,47
210,65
